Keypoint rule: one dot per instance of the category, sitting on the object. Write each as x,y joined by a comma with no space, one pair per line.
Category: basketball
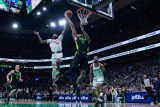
69,13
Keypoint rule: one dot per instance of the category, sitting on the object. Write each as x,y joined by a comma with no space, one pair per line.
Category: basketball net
83,15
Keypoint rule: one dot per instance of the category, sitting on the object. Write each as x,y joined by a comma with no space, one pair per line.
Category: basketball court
64,104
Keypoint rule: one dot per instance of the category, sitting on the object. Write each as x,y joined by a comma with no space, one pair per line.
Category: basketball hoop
83,15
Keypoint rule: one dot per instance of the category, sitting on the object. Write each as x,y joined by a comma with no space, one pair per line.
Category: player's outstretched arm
39,38
74,34
8,75
64,30
85,33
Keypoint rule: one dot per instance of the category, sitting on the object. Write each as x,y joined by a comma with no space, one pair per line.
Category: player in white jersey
97,77
56,47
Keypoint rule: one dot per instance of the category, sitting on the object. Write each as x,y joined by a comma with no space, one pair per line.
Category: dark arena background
124,35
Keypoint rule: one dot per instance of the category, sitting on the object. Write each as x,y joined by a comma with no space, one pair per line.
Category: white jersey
55,44
97,72
147,82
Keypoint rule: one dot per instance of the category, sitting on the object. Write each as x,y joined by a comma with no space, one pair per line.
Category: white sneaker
152,103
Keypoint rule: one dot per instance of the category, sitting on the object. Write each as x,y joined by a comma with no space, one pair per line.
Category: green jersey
15,76
82,45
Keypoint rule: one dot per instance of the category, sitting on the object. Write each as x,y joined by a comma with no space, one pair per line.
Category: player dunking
56,47
82,44
97,78
13,77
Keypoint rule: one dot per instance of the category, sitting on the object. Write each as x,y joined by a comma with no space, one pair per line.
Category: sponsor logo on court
73,98
137,97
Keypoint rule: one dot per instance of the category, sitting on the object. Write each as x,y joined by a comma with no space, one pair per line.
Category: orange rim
88,13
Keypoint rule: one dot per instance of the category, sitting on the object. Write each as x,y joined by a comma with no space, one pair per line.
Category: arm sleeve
49,41
60,37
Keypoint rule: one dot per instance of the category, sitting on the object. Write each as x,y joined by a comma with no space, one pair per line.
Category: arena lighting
90,53
52,24
62,22
50,67
36,79
15,25
38,13
44,8
111,56
148,35
130,52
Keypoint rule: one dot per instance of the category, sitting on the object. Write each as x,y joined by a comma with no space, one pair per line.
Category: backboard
105,9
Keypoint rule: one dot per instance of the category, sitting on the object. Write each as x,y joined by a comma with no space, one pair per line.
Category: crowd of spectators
121,78
131,76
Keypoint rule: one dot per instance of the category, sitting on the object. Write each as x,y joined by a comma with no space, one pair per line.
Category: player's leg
150,94
73,66
83,61
96,92
55,73
14,87
83,67
98,87
58,61
81,77
54,68
58,64
98,84
19,92
94,88
13,93
8,88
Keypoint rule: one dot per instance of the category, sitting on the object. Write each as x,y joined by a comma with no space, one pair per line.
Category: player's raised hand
36,33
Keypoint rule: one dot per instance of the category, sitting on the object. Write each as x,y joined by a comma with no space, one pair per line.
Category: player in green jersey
13,78
82,42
